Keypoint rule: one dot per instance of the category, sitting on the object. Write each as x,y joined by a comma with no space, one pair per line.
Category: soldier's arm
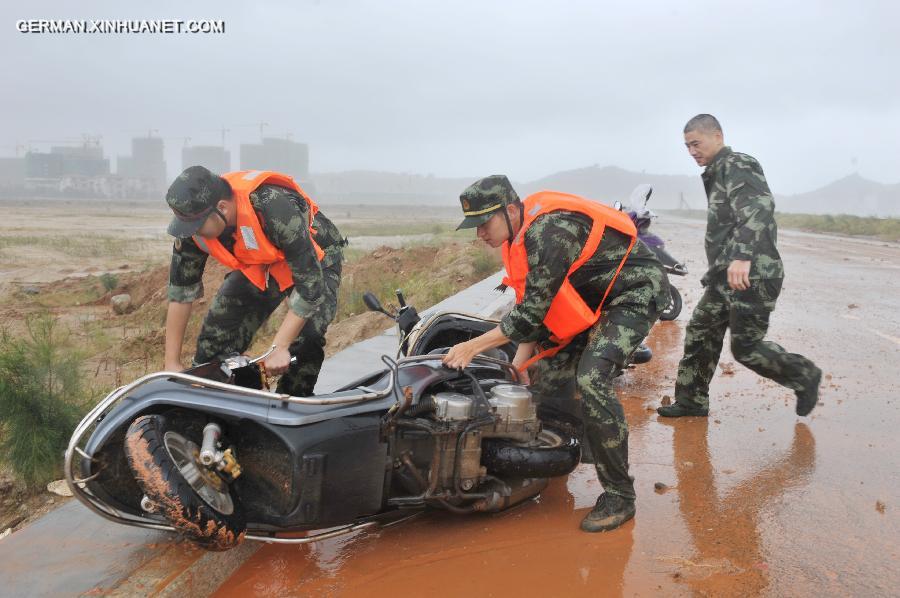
552,243
752,204
286,225
185,287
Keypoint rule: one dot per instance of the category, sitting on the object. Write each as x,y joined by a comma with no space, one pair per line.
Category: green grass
74,245
886,229
390,229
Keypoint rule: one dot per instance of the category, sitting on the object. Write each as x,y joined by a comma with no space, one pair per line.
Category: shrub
41,392
109,281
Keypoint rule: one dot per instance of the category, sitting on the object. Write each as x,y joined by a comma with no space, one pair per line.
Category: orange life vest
254,254
568,314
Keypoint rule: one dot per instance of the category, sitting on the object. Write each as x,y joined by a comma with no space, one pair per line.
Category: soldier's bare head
703,138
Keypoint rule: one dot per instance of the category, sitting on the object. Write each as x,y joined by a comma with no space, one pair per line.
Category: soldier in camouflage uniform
742,283
593,358
240,308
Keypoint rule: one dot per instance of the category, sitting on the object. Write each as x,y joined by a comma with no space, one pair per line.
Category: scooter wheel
193,499
674,309
554,453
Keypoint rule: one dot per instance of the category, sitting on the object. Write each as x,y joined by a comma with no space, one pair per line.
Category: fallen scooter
215,455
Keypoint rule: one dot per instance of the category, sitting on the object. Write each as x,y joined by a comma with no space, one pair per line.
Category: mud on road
750,501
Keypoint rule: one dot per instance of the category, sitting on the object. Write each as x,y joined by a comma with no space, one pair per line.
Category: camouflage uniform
553,242
740,226
240,308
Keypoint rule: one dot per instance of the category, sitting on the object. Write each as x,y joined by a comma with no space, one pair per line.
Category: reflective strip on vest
249,237
251,175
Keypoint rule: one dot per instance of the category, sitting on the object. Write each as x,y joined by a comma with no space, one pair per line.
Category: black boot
677,409
809,396
610,512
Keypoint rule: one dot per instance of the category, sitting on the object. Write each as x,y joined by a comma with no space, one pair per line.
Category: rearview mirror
374,304
372,301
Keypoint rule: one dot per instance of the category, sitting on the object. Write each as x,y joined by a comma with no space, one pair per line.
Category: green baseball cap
484,197
193,197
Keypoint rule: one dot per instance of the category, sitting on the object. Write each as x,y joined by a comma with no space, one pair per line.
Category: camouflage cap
193,196
484,197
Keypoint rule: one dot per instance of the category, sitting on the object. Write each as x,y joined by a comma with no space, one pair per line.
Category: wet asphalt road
759,501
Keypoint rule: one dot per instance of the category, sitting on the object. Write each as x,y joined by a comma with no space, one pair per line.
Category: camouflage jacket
553,242
284,215
740,223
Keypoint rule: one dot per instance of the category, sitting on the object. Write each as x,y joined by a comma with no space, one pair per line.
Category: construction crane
89,140
261,126
221,131
66,140
186,141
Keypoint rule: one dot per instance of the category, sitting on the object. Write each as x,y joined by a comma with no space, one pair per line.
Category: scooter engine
514,418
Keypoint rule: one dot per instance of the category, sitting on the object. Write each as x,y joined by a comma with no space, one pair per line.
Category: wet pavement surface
757,501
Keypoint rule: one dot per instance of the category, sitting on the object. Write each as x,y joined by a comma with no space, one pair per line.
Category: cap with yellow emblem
484,197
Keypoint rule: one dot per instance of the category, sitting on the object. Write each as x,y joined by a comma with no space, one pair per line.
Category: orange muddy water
757,501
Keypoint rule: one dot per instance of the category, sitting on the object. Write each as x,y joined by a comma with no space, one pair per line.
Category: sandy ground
53,239
758,500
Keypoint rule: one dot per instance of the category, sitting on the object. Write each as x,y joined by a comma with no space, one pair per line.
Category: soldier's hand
277,362
523,354
739,275
460,356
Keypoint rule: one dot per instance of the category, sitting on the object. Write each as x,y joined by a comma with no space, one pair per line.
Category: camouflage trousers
746,313
240,308
593,359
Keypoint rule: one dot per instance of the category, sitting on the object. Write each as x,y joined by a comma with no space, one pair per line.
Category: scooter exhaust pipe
211,434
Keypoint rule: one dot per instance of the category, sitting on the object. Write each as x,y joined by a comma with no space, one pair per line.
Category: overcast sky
468,88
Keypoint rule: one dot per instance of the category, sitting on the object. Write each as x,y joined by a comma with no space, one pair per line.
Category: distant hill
611,183
606,184
849,195
371,187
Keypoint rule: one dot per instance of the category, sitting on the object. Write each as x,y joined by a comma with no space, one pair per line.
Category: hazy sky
470,88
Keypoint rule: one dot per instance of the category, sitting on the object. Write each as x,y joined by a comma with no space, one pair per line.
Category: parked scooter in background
642,217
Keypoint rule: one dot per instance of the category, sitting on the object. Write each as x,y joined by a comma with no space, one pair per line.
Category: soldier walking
587,293
271,234
742,283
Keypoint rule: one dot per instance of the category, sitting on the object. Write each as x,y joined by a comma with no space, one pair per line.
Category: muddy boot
809,396
610,512
677,409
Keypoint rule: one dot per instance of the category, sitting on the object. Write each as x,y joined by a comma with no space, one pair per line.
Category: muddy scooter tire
159,454
554,453
674,308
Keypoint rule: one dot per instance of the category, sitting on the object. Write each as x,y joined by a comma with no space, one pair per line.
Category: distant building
215,158
85,160
45,172
12,172
39,165
146,163
109,186
282,155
